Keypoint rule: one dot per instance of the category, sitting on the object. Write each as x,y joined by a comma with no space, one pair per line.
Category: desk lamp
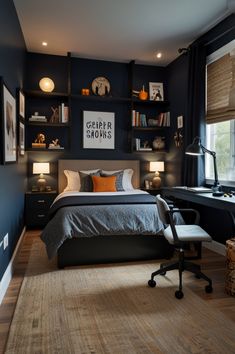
41,168
197,149
156,166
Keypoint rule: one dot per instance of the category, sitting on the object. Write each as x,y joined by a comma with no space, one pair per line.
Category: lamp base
41,183
156,181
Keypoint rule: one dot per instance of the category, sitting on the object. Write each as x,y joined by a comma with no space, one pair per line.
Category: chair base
181,265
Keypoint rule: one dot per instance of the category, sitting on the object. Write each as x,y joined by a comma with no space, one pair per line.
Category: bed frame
108,249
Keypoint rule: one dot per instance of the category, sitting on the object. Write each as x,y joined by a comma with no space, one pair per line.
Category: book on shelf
37,119
56,148
138,119
63,113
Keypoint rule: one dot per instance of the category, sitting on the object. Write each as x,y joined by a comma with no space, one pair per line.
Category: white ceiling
118,30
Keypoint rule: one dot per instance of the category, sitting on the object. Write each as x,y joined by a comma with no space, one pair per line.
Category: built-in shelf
35,93
45,150
148,128
47,124
148,102
101,98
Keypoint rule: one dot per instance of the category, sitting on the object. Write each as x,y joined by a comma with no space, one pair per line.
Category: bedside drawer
37,207
38,202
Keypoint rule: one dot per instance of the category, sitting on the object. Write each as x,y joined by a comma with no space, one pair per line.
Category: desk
206,199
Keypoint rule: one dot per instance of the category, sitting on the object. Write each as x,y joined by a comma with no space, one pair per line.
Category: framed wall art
156,91
8,124
21,105
98,130
21,138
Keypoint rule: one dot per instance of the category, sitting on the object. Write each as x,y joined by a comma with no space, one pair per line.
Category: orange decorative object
85,92
143,95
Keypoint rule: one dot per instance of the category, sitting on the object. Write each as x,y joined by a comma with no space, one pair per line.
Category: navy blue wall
13,176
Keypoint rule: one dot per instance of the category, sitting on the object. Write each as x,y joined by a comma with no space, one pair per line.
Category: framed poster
156,91
21,138
21,105
98,130
8,118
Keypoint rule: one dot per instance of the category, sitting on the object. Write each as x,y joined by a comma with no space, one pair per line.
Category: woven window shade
221,90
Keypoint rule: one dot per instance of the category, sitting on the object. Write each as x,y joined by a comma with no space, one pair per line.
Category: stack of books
37,118
140,146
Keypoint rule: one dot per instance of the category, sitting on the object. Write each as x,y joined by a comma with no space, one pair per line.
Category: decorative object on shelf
152,122
55,115
41,168
46,84
135,93
143,95
85,92
21,105
156,91
21,138
159,143
55,144
8,118
156,166
146,184
178,138
39,142
197,149
98,130
100,86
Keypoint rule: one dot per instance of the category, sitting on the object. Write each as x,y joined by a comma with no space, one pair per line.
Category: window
220,117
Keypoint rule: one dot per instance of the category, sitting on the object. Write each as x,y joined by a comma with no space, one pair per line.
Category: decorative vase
159,143
143,95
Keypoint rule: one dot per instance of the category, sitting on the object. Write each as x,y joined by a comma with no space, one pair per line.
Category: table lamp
41,168
197,149
156,166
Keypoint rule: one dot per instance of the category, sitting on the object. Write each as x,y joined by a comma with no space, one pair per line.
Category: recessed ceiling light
159,55
44,44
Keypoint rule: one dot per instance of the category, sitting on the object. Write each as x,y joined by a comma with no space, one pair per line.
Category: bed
101,227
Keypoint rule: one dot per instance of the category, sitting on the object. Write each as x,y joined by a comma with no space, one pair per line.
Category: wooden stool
230,267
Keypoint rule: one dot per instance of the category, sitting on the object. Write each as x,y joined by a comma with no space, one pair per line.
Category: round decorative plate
100,86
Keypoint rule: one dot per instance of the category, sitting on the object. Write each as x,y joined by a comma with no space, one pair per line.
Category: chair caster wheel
179,294
152,283
208,289
163,273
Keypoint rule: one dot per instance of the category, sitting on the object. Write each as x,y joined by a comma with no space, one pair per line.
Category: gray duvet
94,220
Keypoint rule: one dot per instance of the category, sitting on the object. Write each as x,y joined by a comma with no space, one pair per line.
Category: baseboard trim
7,276
216,247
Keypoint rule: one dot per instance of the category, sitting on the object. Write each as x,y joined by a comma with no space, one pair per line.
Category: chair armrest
189,210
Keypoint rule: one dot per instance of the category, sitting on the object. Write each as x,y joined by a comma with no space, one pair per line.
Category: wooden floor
212,263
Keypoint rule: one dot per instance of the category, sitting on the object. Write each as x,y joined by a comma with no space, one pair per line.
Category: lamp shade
195,148
41,167
46,84
156,166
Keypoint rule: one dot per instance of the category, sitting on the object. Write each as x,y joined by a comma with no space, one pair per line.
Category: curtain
193,167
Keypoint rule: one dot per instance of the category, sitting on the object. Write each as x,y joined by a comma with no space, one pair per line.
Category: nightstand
37,205
152,191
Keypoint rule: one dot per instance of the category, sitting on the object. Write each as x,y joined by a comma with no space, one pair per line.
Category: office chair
179,236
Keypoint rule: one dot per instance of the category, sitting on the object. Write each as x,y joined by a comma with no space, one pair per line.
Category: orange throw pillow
104,184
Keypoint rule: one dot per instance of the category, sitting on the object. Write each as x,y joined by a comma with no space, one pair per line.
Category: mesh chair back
162,209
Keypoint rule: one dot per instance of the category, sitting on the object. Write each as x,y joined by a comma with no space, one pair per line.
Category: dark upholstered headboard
76,165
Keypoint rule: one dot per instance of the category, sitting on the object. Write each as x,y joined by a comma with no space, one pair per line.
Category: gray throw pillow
86,181
119,177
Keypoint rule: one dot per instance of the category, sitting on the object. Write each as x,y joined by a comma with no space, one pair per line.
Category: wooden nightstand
37,205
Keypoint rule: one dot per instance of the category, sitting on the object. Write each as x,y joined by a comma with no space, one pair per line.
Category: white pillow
73,179
126,179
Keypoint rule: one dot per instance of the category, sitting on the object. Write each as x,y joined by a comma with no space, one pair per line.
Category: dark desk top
207,199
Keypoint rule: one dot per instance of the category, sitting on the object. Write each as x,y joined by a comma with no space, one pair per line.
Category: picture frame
156,91
8,124
180,122
21,138
98,130
21,104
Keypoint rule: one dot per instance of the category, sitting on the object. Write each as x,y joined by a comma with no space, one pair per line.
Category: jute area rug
110,309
